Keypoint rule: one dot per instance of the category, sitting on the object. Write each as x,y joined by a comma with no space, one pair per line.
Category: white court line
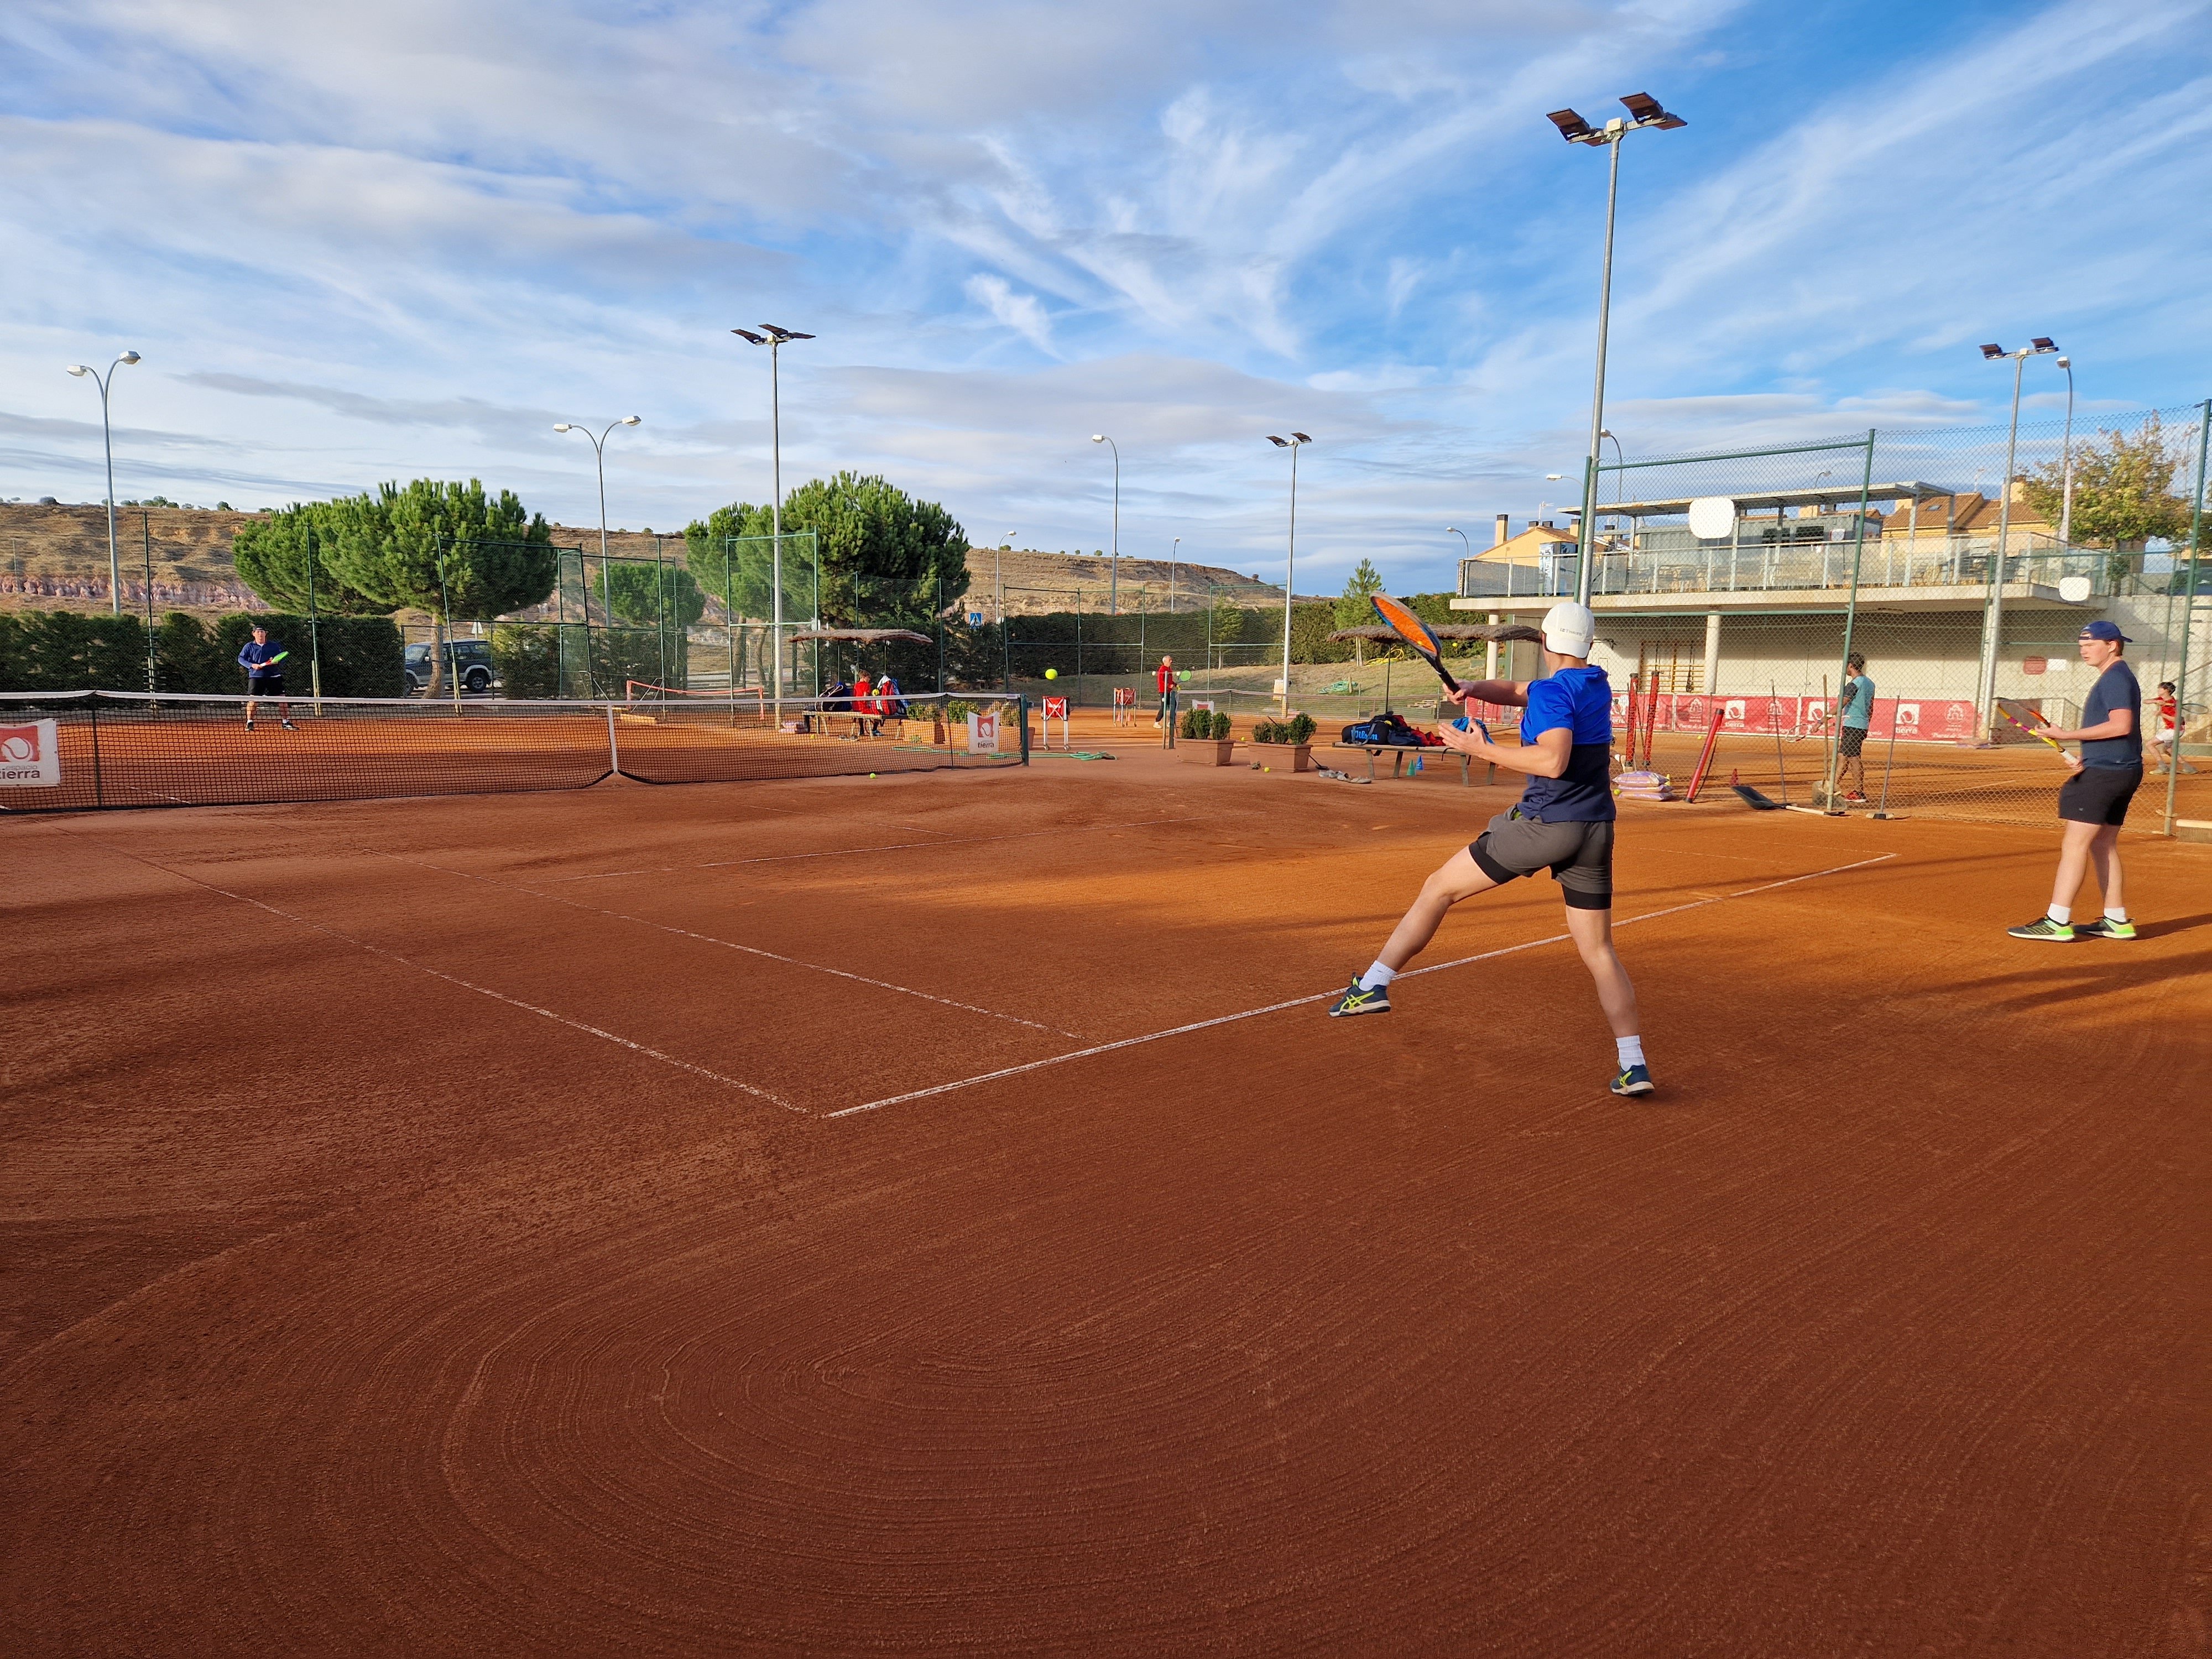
1322,996
729,945
894,846
482,991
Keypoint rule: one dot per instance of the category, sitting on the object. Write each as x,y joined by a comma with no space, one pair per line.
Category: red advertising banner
1913,719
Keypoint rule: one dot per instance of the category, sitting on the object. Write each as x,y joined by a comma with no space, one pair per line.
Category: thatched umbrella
861,635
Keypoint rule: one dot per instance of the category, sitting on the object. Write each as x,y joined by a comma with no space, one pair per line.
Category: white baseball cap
1569,628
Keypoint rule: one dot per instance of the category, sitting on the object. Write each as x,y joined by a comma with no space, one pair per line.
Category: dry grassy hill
55,558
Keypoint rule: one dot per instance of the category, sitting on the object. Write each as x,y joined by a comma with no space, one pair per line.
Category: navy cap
2101,629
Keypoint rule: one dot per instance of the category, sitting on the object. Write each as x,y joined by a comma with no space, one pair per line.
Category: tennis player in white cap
1564,823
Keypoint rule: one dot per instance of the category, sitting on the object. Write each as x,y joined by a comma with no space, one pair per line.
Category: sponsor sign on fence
1912,720
30,756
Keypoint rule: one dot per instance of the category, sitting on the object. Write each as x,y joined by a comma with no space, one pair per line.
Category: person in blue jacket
1564,823
263,659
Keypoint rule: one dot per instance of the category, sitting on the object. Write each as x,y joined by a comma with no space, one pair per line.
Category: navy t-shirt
1579,700
260,661
2115,688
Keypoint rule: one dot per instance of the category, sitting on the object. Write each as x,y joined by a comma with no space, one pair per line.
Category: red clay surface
427,1233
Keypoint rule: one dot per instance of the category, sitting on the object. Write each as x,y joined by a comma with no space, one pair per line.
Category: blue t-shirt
1579,700
2115,688
260,660
1858,703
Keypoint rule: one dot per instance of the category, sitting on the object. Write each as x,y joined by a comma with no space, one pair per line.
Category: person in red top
2165,731
864,701
1164,677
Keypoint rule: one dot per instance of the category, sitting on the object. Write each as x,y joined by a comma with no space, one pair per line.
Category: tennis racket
1415,633
2029,721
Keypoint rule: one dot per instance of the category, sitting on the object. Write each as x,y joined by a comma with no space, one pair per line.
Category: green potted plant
1288,744
1202,737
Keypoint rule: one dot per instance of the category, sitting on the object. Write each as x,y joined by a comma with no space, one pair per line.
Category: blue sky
406,239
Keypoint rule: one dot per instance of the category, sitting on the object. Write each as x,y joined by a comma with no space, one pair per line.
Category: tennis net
67,751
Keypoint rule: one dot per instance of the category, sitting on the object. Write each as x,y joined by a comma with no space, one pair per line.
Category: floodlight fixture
1278,442
1571,126
2042,343
746,333
632,419
1992,352
1303,437
563,426
783,334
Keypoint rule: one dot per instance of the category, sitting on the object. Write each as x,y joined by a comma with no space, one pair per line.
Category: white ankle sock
2062,914
1630,1049
1377,977
2120,914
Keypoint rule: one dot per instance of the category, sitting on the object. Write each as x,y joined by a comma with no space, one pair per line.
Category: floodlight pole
1114,567
1644,110
1174,551
1294,443
107,443
2066,470
774,338
1993,614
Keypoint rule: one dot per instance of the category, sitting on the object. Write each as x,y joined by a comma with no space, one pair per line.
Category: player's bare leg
2105,860
1459,877
1592,931
2073,860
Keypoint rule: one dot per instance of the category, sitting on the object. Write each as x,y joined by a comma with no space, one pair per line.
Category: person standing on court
1164,677
263,659
2093,804
1564,823
864,701
2166,732
1853,716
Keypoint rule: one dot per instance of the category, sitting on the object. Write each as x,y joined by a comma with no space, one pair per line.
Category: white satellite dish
1712,518
2073,589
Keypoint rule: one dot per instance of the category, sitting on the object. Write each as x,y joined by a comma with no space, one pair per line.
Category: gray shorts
1579,856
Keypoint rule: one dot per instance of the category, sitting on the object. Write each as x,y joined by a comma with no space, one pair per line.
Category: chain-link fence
1960,564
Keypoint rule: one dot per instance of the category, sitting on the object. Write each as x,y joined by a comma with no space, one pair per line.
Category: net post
1022,715
2188,613
92,707
614,749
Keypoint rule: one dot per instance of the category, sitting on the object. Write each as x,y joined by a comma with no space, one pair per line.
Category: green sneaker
1633,1080
2057,933
2105,927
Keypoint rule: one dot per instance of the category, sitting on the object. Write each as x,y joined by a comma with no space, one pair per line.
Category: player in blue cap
263,659
2093,802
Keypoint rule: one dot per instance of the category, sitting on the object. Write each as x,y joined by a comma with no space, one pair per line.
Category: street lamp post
1993,616
103,381
599,453
775,339
1296,442
2066,484
1174,552
1114,567
1644,110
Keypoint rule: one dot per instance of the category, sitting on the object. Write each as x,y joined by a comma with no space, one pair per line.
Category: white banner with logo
30,756
983,734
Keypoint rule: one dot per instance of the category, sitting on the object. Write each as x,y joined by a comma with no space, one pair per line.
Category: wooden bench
1398,751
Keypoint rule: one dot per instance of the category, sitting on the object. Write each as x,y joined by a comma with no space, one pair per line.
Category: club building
1760,608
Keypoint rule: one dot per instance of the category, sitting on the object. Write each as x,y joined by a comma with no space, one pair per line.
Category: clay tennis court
931,1213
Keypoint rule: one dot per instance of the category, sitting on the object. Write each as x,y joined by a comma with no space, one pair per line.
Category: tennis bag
1386,728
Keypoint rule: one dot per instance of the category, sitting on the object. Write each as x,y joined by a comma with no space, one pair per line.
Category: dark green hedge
69,651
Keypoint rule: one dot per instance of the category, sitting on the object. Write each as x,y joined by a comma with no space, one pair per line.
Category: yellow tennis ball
871,774
1052,673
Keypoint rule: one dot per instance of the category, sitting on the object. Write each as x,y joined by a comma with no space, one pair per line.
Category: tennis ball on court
1052,673
871,774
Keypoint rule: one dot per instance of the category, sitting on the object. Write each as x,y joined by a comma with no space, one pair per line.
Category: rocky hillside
55,557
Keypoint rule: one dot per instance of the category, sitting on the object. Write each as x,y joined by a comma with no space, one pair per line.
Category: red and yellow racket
2029,721
1415,633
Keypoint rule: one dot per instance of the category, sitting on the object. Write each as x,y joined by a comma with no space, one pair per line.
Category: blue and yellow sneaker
2056,933
2105,927
1357,1000
1636,1081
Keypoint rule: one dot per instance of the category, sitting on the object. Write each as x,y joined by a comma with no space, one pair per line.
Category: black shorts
1579,856
1850,739
271,685
2099,795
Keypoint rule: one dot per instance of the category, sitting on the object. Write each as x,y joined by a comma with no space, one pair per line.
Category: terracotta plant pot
1283,757
1205,751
